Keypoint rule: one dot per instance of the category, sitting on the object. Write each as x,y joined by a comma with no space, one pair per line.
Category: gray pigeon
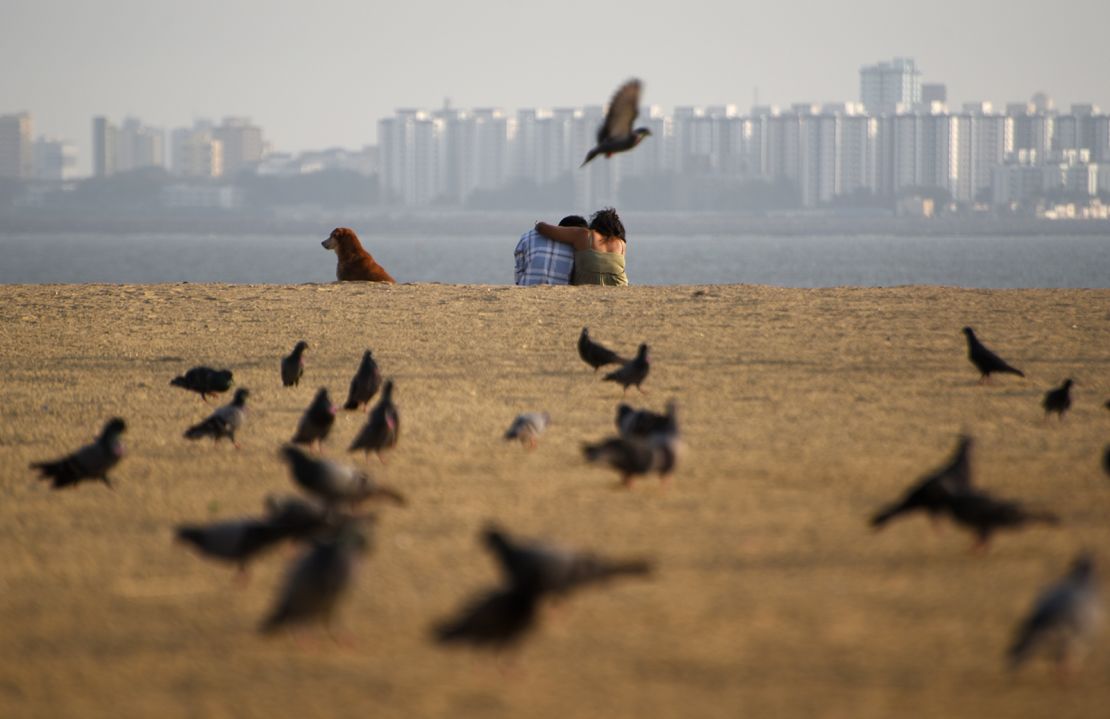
204,381
496,619
1063,621
365,383
235,540
594,354
382,427
90,462
335,483
632,372
316,421
933,492
224,422
644,423
292,367
985,361
553,570
317,581
616,133
635,457
527,427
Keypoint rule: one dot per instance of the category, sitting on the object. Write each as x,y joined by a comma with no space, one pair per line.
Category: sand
802,412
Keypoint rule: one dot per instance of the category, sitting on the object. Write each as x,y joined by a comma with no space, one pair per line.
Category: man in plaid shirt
540,261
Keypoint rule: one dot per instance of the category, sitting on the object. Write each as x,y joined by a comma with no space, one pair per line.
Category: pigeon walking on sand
317,581
594,354
382,426
496,619
91,462
333,482
224,422
643,423
983,515
204,381
317,420
635,457
527,428
633,372
1063,621
933,492
616,133
985,361
1058,400
365,383
292,366
237,540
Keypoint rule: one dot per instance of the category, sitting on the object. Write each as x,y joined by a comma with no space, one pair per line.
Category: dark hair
607,222
573,221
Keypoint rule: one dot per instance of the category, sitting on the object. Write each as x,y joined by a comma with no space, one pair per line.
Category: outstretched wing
623,111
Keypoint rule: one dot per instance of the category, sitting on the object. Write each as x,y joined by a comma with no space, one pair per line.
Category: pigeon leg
531,442
642,390
626,481
381,459
242,577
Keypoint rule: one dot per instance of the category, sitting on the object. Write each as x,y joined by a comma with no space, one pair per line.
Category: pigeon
90,462
984,515
616,133
635,457
552,570
644,423
297,518
527,427
1106,460
334,483
316,421
594,354
496,619
1063,620
985,361
633,372
204,381
224,422
1058,400
292,367
933,492
365,383
317,580
236,540
381,428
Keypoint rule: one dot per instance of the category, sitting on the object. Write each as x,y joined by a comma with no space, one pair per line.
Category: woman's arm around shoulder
576,237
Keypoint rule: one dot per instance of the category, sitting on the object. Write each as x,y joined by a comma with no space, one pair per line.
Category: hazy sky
318,74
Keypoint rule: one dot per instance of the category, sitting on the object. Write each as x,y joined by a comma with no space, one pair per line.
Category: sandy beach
802,412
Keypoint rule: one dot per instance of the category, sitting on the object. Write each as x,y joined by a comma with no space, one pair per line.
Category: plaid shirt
540,261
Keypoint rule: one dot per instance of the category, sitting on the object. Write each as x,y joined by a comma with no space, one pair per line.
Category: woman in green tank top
598,250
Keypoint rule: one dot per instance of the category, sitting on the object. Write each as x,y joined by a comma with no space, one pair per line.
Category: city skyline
324,77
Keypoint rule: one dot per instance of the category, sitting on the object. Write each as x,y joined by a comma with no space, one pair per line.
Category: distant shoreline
466,223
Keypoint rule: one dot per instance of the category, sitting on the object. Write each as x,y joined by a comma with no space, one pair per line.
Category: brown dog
355,264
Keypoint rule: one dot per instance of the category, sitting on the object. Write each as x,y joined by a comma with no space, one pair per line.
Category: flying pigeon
1064,619
317,581
633,372
983,515
1058,400
985,361
527,427
90,462
616,133
333,482
933,492
365,383
224,422
204,381
550,569
292,367
316,421
594,354
382,426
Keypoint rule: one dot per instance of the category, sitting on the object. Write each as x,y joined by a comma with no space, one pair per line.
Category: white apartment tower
887,86
16,150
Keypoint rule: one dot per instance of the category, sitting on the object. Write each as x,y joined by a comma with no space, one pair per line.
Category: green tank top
592,267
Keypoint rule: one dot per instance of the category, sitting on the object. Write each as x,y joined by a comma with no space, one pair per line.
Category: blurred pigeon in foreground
292,367
984,515
204,381
333,482
297,518
317,581
316,422
933,492
634,457
365,383
90,462
1058,400
633,372
496,619
527,427
382,426
1064,619
643,422
550,569
985,361
594,354
235,540
616,133
224,422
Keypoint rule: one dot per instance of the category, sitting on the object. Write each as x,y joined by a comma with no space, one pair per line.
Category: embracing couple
573,252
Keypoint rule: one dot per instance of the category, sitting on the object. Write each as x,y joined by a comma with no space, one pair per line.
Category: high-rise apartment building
139,146
16,150
55,159
242,143
104,135
887,87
